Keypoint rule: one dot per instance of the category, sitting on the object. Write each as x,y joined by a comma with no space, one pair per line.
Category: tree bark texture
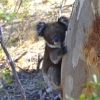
83,43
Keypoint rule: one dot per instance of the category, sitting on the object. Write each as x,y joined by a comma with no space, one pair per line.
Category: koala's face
53,33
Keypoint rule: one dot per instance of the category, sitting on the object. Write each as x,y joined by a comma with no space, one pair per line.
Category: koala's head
53,33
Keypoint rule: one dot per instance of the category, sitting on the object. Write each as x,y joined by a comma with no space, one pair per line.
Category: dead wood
39,61
14,60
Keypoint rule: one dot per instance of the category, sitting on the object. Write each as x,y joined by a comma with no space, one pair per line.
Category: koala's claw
65,50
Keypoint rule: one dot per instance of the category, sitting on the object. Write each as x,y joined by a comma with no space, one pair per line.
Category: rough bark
83,43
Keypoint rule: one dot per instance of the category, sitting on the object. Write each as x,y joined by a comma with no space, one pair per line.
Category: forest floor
26,50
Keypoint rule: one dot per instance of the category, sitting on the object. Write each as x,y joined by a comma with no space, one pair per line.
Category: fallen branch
12,66
17,58
7,95
14,60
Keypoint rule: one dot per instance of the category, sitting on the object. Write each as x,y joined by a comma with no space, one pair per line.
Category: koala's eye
56,38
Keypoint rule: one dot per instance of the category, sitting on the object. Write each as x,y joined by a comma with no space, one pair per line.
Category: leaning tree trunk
83,43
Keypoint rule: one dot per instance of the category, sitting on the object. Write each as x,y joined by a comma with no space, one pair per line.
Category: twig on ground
20,56
7,95
42,95
18,6
14,60
12,66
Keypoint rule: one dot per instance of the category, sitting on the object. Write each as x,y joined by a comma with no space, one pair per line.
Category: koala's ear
64,21
40,27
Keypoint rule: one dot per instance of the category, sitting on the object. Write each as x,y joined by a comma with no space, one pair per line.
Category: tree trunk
83,43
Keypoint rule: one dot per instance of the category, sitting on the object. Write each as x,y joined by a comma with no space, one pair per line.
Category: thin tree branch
38,63
12,66
60,10
18,5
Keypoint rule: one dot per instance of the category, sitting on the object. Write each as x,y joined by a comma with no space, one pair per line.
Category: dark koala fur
54,35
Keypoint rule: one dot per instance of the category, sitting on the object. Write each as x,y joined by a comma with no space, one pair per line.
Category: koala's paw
64,50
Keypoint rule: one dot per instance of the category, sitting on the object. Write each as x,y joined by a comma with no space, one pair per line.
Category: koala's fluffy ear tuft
64,21
40,27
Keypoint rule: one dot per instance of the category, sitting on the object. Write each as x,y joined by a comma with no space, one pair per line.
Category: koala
54,36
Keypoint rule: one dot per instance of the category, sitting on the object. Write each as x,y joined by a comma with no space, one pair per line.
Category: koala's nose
56,38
